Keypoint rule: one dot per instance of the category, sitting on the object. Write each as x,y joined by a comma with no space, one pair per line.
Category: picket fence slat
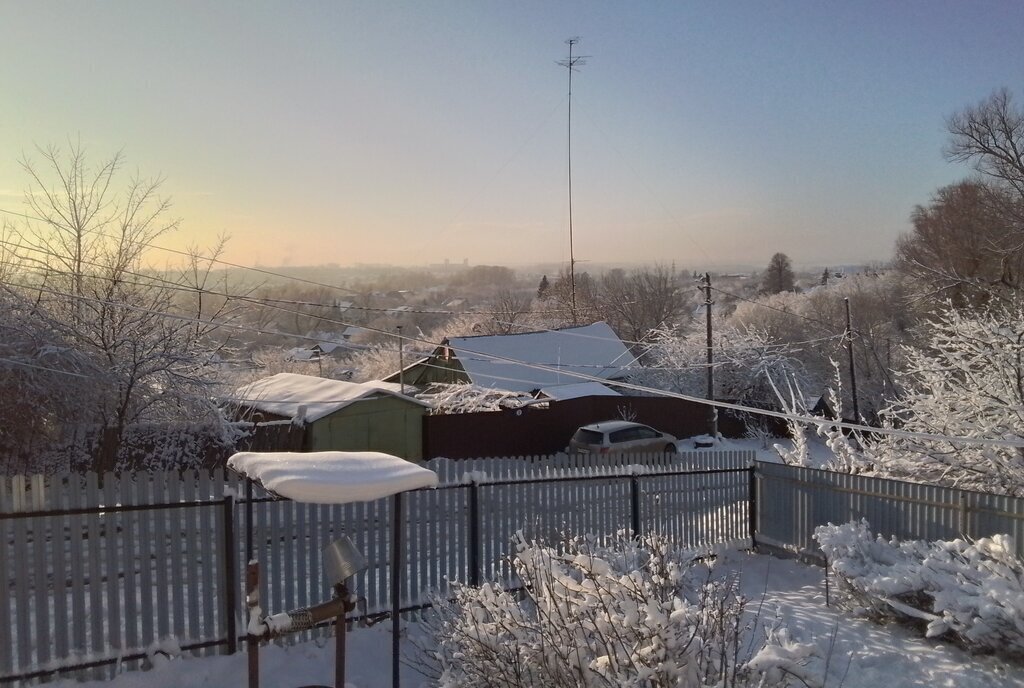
129,564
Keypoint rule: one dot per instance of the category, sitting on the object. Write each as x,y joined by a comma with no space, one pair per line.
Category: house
524,362
339,415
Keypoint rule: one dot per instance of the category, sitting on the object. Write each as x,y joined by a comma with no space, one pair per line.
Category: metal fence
100,572
793,501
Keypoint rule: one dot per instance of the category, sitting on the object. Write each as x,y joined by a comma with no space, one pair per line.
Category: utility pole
853,370
570,64
712,410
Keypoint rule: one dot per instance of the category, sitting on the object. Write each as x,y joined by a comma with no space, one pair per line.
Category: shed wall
385,424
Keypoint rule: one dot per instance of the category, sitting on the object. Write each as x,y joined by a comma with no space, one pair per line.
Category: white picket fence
99,573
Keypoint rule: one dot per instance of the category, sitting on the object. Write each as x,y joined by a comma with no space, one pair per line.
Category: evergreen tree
542,288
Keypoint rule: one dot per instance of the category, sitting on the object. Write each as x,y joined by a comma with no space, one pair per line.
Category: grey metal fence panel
793,501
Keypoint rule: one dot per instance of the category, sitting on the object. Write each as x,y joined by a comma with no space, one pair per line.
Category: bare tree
990,135
83,220
511,309
142,340
644,300
964,246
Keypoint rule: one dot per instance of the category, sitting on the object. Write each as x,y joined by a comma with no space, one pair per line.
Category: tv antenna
572,63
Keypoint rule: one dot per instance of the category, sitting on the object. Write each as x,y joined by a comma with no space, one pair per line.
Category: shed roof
542,359
283,394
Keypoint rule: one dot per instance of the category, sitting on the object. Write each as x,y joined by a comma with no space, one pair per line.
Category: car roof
612,425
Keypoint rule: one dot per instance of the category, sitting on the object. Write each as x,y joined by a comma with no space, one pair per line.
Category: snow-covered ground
862,655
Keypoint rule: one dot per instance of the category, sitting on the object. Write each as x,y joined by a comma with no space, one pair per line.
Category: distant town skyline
706,134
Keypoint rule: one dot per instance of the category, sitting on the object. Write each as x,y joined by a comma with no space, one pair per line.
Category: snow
332,477
863,654
577,390
593,350
285,393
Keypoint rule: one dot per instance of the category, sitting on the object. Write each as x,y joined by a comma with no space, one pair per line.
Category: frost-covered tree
745,359
813,323
46,385
967,382
82,246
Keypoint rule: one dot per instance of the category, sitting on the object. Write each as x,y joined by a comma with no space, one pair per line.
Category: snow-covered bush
972,592
468,398
623,614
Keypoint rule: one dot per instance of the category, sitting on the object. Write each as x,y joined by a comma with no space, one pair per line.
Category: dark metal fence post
634,503
396,588
249,555
230,574
474,534
752,515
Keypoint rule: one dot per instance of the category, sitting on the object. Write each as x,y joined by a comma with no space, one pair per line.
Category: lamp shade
342,561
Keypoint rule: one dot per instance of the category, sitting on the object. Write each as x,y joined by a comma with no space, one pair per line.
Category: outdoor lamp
341,561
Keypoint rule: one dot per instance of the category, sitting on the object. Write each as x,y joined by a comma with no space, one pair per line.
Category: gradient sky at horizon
704,134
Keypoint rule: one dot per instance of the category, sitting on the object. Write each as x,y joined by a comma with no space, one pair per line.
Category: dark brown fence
533,430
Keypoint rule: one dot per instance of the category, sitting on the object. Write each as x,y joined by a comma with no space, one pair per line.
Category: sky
409,133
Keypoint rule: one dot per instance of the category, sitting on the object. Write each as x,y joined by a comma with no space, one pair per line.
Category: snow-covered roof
593,350
284,393
332,477
328,347
301,354
577,390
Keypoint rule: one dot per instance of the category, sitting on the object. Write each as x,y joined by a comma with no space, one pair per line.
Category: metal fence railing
793,501
99,570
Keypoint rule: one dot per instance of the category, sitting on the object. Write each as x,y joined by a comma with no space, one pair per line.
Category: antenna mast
571,64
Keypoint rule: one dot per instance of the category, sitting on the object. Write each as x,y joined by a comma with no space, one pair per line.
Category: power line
38,367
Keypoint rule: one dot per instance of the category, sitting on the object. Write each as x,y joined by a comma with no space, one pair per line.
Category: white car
620,436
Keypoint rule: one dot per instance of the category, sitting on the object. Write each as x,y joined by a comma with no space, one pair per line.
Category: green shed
338,415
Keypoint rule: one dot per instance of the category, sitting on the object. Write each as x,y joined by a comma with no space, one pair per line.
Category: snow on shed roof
332,477
284,393
593,350
578,389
